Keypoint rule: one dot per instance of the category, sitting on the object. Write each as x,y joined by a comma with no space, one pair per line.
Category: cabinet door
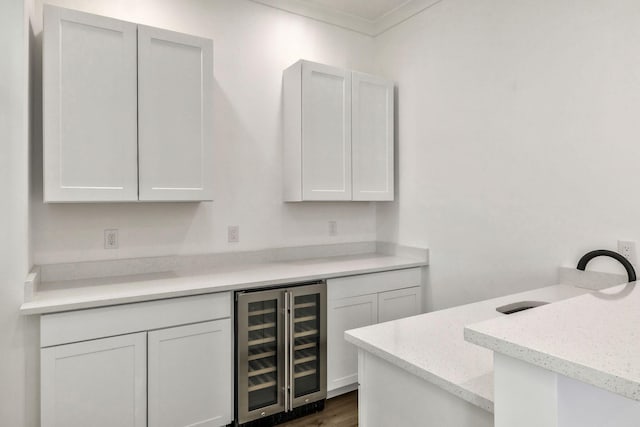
190,375
175,78
394,305
342,357
326,133
261,386
89,108
307,344
373,136
101,383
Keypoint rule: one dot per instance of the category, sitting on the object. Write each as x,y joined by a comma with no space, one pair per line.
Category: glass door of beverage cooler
307,344
261,354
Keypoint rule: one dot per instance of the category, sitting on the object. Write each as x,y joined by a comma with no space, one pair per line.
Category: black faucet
631,272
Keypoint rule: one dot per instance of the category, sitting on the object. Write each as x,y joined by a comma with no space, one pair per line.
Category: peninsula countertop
96,292
432,346
594,338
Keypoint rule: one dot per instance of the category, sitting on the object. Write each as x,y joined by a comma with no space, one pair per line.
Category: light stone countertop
77,294
593,338
432,346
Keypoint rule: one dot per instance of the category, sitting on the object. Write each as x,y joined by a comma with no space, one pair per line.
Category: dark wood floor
341,411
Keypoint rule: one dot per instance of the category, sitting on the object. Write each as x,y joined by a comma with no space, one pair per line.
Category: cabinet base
279,418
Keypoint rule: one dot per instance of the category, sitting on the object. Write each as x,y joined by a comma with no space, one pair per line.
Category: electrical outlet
233,234
627,249
111,239
333,228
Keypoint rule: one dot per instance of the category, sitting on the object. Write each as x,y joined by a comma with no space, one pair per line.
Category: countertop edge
455,389
40,307
598,378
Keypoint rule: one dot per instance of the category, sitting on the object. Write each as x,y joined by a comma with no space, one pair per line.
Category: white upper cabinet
326,133
175,73
338,134
90,128
317,132
127,111
372,137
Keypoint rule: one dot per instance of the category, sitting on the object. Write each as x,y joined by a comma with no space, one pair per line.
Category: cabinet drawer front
82,325
393,305
372,283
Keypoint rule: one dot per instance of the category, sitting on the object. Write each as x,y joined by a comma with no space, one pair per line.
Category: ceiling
370,17
371,10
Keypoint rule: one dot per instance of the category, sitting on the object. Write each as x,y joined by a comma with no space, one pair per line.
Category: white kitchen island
575,363
419,371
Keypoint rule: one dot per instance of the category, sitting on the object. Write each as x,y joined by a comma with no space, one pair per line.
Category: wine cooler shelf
261,326
306,333
262,366
262,312
260,353
302,344
304,356
261,341
261,382
304,305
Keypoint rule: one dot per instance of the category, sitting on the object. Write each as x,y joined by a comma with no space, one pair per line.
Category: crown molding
323,14
400,14
351,22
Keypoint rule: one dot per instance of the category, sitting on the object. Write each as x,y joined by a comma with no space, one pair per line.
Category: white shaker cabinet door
342,357
393,305
175,91
326,132
190,375
89,103
373,136
98,383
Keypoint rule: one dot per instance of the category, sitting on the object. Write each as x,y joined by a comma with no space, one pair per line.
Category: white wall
517,128
519,139
18,368
253,43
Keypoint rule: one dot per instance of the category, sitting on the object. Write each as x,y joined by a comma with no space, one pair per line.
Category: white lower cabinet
164,375
102,383
187,365
394,305
344,314
363,300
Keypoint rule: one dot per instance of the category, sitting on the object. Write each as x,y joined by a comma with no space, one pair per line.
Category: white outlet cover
233,234
111,238
333,228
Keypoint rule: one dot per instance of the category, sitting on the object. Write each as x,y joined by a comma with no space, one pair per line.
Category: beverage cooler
281,353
